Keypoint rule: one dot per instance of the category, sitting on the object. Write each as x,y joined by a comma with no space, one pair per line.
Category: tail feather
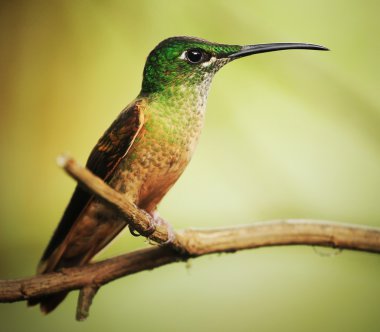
75,251
48,303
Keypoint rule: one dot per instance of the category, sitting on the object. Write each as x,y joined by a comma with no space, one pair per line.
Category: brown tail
48,303
76,250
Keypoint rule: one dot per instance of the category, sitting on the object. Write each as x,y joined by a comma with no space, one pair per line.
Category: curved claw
133,231
151,229
155,221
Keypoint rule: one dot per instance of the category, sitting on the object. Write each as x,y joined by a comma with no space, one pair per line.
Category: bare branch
199,242
86,295
188,243
80,277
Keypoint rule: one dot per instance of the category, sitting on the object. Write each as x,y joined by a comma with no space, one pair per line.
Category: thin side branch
188,243
85,298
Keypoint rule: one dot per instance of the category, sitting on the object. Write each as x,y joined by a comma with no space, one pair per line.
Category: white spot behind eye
209,62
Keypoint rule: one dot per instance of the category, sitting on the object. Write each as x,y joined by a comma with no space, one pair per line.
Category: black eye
195,55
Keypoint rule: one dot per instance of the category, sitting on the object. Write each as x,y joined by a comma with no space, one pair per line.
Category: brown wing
104,158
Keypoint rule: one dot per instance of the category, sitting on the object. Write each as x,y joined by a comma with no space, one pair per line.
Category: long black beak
262,48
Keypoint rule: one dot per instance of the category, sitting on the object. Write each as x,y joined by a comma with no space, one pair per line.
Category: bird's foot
151,229
133,231
158,221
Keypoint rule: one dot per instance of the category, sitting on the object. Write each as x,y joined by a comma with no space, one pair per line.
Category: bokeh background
293,134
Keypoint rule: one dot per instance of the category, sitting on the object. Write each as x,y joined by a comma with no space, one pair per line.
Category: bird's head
187,61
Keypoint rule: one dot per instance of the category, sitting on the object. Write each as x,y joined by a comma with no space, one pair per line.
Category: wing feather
103,160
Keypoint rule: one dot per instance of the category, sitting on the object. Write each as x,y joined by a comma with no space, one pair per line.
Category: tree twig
188,243
85,298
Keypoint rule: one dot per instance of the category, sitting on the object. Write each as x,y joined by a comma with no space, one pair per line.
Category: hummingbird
146,149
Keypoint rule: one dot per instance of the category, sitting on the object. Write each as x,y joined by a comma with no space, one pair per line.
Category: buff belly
149,171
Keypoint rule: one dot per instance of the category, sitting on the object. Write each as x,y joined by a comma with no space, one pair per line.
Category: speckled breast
159,154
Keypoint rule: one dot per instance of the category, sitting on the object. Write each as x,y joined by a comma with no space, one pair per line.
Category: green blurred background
293,134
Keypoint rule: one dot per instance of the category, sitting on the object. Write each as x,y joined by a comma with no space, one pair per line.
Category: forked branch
187,243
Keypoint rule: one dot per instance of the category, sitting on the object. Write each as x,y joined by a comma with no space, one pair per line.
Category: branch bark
188,243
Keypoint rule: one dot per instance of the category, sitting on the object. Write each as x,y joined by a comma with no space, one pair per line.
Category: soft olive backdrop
288,135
